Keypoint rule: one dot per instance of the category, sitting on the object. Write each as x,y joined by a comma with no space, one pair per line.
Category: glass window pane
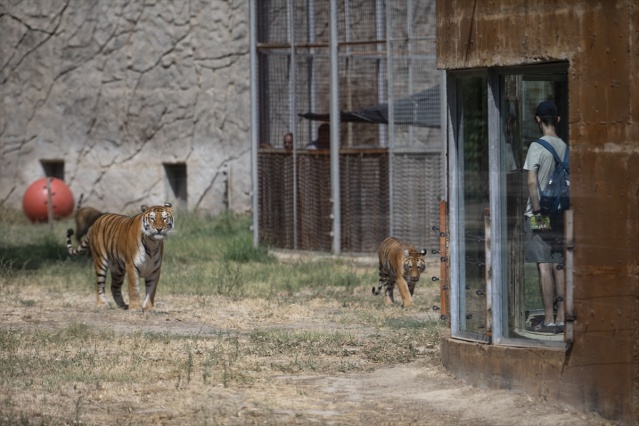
519,96
473,202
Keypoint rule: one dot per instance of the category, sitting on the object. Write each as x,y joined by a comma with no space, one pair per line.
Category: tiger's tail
378,290
84,244
383,280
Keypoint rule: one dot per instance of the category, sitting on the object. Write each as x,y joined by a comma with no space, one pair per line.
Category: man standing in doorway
540,246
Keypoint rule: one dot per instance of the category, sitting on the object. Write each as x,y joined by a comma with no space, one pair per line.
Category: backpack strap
550,148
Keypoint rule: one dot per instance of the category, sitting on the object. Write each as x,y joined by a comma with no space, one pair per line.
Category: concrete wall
600,41
117,88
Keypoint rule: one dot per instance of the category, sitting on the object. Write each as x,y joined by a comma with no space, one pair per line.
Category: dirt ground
420,392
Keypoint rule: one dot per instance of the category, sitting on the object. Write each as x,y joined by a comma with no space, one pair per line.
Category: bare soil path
420,392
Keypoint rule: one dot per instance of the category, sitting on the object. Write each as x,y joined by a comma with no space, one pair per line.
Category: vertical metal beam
391,113
409,45
292,96
292,66
380,34
453,208
311,74
443,122
349,64
335,124
254,118
496,181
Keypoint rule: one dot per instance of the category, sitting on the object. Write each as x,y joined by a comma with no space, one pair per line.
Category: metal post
409,33
335,124
49,205
293,108
443,108
380,34
391,114
311,74
254,123
453,212
496,180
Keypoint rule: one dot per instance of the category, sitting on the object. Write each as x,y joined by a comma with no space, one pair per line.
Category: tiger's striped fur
127,246
402,264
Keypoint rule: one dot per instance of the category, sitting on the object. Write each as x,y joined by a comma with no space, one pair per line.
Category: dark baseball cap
547,108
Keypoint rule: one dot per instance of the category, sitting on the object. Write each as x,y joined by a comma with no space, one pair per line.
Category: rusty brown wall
600,39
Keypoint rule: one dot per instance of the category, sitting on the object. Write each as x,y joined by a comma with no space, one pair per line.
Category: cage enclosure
390,140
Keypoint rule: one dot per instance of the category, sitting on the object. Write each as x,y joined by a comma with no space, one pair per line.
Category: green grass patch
204,257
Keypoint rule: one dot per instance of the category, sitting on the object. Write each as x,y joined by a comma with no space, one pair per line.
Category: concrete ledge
531,370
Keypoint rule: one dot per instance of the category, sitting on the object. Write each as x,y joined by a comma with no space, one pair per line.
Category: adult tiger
131,246
399,263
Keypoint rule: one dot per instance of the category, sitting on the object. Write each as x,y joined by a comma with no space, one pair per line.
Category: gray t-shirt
540,160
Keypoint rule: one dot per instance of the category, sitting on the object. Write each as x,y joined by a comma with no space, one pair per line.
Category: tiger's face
157,221
414,265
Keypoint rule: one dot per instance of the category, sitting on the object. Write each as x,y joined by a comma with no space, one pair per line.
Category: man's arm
532,190
534,200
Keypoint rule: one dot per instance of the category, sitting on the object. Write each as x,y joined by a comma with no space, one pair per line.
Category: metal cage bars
402,62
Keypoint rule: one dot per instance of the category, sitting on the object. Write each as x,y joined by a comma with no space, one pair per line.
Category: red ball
35,200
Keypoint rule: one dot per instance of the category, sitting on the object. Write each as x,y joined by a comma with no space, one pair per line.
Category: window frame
496,292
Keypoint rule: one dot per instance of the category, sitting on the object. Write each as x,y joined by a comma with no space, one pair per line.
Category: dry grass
237,337
63,361
224,332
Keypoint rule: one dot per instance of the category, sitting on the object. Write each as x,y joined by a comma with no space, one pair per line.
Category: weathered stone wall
115,89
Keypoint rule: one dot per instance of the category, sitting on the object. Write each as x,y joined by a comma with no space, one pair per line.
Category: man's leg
546,286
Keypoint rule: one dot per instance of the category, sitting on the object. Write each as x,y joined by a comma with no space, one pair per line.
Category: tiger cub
127,246
399,263
84,218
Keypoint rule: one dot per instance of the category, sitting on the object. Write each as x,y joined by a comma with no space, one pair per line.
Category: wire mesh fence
390,150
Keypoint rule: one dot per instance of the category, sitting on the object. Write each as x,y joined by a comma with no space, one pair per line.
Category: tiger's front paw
134,306
102,301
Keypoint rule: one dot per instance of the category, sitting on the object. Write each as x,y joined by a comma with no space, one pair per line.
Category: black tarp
421,109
